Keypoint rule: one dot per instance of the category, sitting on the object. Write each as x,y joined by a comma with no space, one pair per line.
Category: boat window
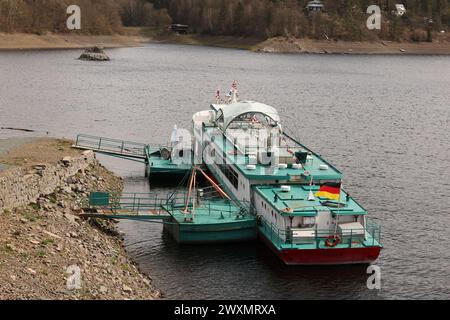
230,174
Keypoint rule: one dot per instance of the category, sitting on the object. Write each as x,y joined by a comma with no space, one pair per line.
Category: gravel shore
47,251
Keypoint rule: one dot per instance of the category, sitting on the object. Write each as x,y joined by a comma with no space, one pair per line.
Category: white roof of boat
234,110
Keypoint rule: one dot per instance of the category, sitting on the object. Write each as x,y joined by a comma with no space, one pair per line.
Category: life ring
333,241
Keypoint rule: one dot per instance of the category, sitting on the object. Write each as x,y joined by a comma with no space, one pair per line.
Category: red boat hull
332,256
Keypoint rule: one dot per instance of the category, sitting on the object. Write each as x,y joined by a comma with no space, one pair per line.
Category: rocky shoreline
308,46
47,251
138,36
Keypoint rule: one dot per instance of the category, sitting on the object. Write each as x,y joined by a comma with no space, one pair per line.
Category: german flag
329,190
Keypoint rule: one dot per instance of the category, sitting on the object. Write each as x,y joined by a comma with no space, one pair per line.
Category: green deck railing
163,203
208,200
371,235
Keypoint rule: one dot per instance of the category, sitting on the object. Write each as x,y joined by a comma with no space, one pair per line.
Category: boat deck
371,238
210,212
164,167
217,221
312,167
297,200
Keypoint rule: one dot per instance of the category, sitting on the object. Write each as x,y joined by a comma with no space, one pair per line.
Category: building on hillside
315,6
179,28
400,10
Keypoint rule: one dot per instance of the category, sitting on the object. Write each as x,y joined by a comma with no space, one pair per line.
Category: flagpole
311,196
338,210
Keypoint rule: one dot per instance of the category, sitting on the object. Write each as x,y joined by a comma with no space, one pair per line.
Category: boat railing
206,199
368,236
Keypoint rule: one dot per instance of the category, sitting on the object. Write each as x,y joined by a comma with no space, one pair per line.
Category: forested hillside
342,19
38,16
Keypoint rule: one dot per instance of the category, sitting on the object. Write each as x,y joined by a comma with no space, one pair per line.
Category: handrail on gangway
151,206
132,206
113,147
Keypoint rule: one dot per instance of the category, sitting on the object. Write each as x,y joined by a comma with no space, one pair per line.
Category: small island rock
94,54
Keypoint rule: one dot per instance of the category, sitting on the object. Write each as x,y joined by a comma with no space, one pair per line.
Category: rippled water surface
383,120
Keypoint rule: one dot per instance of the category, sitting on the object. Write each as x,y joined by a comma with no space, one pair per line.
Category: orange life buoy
333,241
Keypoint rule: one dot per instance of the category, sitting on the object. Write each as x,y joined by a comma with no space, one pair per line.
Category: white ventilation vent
252,159
297,166
282,166
251,167
324,167
285,188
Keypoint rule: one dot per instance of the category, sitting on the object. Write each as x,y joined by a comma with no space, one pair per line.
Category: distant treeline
342,19
39,16
97,16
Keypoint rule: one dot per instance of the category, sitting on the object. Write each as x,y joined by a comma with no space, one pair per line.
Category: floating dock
203,219
157,160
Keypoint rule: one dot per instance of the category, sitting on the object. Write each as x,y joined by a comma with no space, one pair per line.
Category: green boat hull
191,233
165,170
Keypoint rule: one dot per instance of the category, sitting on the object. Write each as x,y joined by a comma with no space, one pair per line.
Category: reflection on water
382,120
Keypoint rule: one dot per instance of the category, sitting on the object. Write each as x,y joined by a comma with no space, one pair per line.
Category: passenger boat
265,184
303,214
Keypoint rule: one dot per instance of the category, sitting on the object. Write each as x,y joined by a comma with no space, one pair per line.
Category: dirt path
30,151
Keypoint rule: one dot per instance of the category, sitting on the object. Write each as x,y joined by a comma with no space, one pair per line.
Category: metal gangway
131,206
113,147
152,205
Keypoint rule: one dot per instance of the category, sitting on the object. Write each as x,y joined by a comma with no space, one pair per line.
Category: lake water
383,120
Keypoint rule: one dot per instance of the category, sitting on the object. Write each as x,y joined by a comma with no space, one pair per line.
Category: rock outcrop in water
94,54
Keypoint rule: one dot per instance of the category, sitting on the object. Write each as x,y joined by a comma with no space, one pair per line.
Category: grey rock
127,289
